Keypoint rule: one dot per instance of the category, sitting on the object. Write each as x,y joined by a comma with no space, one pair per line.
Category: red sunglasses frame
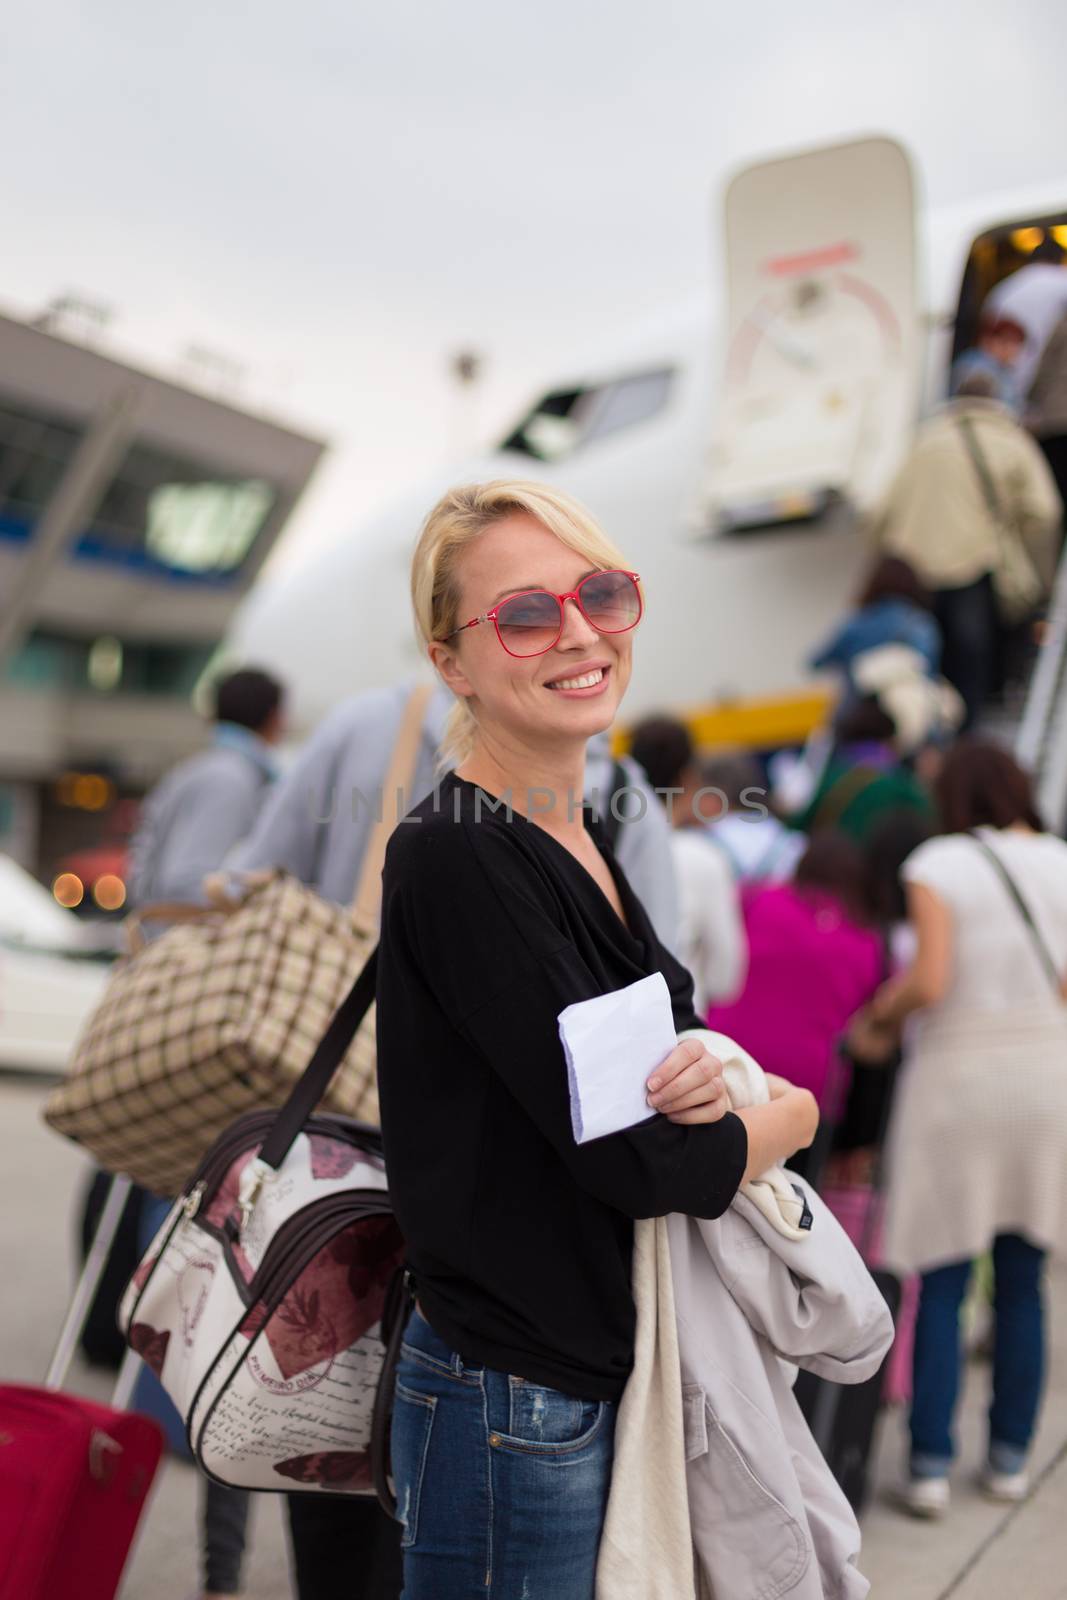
574,594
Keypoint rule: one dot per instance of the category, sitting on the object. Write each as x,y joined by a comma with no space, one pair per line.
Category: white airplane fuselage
728,618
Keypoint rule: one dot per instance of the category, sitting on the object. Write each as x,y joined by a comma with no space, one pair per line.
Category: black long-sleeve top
519,1238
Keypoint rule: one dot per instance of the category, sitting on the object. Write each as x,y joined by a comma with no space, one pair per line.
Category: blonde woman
502,905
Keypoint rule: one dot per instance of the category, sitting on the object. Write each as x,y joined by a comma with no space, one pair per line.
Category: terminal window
50,660
165,511
161,512
35,451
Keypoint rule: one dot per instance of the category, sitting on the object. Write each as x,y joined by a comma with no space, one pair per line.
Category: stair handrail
1041,743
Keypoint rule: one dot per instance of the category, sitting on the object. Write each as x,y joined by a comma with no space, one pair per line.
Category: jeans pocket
542,1419
413,1416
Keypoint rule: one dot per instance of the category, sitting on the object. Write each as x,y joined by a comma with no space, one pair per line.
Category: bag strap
840,795
981,466
329,1053
1027,915
399,1304
367,900
610,823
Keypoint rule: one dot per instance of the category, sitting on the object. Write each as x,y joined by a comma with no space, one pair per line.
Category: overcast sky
340,195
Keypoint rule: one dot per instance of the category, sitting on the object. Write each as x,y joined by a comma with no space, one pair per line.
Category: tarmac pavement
980,1551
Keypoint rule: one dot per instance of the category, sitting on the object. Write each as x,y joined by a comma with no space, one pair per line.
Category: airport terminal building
134,514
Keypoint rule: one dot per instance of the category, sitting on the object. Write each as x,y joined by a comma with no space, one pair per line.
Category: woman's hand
870,1041
687,1085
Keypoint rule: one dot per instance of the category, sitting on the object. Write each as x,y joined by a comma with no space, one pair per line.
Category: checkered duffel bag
220,1014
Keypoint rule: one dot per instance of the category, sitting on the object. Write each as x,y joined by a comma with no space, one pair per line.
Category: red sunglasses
530,623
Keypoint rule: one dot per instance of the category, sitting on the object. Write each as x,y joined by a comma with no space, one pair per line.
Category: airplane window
550,431
632,400
566,420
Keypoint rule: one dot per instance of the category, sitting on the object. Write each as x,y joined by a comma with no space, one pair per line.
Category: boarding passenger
892,608
978,1145
317,825
974,487
873,1053
199,811
1036,297
742,823
711,941
519,1237
1046,411
1000,345
208,802
870,773
814,961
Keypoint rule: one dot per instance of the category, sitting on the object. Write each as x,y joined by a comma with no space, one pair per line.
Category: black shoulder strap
981,466
1024,911
329,1053
610,820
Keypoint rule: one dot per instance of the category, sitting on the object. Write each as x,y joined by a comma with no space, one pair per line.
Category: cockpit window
566,420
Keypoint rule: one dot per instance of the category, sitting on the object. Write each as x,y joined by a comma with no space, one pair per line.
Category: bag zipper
247,1134
300,1238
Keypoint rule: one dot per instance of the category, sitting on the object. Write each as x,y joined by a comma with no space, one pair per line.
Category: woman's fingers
698,1083
686,1054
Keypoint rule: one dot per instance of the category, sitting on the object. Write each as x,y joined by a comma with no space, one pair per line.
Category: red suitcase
74,1478
74,1475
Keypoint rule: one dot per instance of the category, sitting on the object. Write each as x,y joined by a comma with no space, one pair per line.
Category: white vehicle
714,449
49,980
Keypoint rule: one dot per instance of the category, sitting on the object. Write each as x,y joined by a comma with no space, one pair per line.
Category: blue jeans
501,1484
1018,1359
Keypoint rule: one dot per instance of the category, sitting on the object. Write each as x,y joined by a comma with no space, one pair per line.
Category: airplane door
821,381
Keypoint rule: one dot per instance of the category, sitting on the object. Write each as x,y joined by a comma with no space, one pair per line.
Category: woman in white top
978,1146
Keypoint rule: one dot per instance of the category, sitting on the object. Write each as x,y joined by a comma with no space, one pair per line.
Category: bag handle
220,903
315,1080
1027,915
367,900
162,911
331,1048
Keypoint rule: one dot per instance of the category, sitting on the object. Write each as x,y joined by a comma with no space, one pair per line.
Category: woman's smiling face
574,689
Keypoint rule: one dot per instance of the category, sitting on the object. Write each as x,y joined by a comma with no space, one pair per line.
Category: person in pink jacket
813,962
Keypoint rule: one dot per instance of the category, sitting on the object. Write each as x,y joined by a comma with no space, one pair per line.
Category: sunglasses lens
611,601
529,623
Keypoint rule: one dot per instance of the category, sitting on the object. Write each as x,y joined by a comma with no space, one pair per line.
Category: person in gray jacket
317,824
208,803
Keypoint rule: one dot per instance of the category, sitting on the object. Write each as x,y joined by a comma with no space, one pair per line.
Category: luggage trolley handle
88,1283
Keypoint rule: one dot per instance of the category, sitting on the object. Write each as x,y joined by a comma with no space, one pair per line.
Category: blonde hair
456,520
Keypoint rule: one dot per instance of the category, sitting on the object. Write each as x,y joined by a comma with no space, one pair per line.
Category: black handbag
870,1094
